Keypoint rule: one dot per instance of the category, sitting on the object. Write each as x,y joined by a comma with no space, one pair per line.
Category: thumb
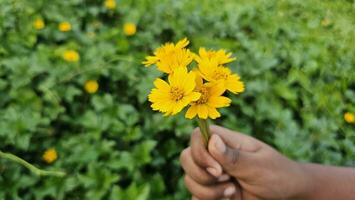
232,160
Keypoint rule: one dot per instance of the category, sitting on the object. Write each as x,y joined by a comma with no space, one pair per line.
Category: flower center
211,54
220,74
204,95
176,93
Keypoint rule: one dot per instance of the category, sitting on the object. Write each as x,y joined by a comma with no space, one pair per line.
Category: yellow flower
213,72
91,86
129,29
64,26
110,4
38,24
349,117
211,98
50,155
220,56
170,56
71,56
170,98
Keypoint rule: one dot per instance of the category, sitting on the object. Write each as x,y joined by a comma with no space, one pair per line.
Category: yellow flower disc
50,155
38,24
349,117
129,29
110,4
71,56
91,86
64,26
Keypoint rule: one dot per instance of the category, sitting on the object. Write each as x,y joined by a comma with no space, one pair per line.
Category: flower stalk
205,130
32,168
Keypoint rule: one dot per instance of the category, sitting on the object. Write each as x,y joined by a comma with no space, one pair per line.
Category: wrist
308,181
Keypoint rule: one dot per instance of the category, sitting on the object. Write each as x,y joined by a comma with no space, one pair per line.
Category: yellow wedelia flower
38,24
170,56
50,155
170,98
110,4
64,26
91,86
129,29
349,117
220,56
71,56
213,72
211,98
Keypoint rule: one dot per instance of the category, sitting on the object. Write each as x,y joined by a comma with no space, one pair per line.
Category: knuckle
215,195
210,195
187,183
183,156
234,156
199,157
206,180
185,180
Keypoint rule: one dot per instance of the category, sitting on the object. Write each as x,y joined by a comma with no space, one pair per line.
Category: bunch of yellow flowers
197,81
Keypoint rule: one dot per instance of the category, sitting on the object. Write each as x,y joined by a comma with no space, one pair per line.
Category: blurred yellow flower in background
129,29
71,56
170,98
170,56
91,86
110,4
349,117
213,72
38,24
220,56
64,26
50,155
211,98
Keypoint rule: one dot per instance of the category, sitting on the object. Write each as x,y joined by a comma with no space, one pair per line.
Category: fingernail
212,171
219,144
229,191
223,178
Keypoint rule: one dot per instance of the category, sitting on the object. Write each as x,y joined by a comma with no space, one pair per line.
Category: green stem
205,130
31,167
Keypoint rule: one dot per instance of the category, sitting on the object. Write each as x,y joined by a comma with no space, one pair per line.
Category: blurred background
73,91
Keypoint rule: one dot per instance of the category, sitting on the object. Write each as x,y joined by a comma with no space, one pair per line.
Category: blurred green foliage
296,58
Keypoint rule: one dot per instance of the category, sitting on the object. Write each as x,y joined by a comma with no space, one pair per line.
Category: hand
237,166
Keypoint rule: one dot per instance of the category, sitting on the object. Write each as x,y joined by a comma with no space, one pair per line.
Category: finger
232,160
237,140
194,198
219,191
201,156
197,173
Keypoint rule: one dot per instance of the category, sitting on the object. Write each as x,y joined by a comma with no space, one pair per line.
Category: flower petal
234,85
191,112
213,113
161,84
219,102
202,111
